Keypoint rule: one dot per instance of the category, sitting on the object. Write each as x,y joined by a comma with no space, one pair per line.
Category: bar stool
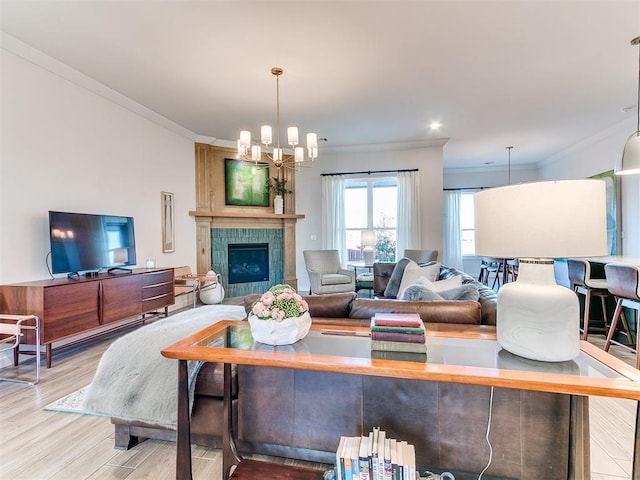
624,284
583,284
490,266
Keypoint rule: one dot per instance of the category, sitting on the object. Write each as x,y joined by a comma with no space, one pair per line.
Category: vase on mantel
278,205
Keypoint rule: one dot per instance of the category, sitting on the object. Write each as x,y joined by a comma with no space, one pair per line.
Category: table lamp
368,240
537,222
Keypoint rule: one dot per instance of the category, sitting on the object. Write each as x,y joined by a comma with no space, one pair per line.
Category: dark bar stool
583,284
624,284
490,266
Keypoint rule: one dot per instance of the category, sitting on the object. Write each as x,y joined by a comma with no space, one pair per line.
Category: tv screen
81,241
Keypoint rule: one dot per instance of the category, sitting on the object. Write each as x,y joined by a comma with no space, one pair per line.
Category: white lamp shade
312,140
542,220
266,136
245,138
256,153
368,238
630,161
292,135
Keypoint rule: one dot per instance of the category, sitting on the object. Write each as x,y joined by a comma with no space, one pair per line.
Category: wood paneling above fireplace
211,211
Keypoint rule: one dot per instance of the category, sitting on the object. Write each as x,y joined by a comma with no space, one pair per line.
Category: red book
398,319
398,337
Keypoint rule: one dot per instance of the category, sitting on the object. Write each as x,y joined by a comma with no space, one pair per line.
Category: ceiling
538,75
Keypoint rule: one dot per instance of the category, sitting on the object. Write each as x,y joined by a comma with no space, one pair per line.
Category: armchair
326,275
421,256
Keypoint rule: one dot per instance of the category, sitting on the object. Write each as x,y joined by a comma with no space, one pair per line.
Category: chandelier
253,152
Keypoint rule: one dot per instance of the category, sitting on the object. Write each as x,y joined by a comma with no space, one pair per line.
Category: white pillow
413,272
437,286
447,283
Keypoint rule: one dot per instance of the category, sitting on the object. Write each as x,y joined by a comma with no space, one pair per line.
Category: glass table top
441,350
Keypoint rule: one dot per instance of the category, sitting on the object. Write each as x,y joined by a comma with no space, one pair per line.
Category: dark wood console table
595,373
88,306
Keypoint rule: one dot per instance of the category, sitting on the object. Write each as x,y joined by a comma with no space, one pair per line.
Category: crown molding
388,146
623,128
56,67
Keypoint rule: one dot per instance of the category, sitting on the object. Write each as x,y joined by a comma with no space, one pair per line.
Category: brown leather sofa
488,298
301,414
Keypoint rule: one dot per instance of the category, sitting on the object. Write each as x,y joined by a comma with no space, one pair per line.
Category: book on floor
375,456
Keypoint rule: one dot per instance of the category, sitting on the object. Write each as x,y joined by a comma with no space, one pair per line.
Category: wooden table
598,374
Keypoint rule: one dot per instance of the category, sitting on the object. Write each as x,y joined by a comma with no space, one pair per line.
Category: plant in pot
279,188
280,316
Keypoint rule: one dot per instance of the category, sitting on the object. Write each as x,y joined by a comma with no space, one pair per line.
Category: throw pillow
467,291
447,283
419,292
413,272
393,287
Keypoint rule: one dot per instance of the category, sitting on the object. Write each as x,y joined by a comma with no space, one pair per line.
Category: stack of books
375,457
398,336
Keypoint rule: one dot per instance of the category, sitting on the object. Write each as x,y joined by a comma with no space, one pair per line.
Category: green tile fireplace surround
221,238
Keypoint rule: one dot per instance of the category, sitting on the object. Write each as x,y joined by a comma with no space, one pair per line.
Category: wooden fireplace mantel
237,214
212,212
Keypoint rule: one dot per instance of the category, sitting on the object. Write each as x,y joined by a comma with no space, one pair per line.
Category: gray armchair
421,256
326,274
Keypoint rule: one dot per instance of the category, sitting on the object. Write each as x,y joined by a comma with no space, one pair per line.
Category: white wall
596,155
489,176
67,148
308,193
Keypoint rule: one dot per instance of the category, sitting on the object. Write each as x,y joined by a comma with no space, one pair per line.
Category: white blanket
135,382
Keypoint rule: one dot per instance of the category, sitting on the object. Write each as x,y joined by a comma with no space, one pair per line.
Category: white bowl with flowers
280,316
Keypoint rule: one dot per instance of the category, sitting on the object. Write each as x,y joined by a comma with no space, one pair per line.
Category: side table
364,281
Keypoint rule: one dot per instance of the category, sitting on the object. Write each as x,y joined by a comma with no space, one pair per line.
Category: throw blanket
135,382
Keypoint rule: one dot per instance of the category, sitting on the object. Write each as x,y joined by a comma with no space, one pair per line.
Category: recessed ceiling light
435,125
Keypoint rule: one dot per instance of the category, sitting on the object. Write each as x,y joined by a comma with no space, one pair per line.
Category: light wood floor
37,444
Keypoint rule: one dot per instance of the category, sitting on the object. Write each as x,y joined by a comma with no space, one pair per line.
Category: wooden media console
80,309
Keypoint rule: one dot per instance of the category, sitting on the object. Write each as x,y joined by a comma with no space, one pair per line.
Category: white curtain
452,242
408,227
333,234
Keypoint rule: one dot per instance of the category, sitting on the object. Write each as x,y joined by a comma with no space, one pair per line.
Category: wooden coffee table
597,373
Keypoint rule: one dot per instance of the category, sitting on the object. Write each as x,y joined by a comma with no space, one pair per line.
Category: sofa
315,408
382,272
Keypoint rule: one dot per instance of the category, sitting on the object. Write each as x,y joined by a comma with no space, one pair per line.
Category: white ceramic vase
285,332
278,204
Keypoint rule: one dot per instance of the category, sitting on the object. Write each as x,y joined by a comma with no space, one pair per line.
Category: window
467,223
371,204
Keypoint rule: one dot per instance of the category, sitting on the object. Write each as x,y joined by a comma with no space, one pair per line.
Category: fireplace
248,262
224,240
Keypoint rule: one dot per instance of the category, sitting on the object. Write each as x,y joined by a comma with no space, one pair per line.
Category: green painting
244,183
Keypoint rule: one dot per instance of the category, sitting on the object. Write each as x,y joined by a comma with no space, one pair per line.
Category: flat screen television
83,242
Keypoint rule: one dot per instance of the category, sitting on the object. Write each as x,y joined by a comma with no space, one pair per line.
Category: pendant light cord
278,107
509,167
636,41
